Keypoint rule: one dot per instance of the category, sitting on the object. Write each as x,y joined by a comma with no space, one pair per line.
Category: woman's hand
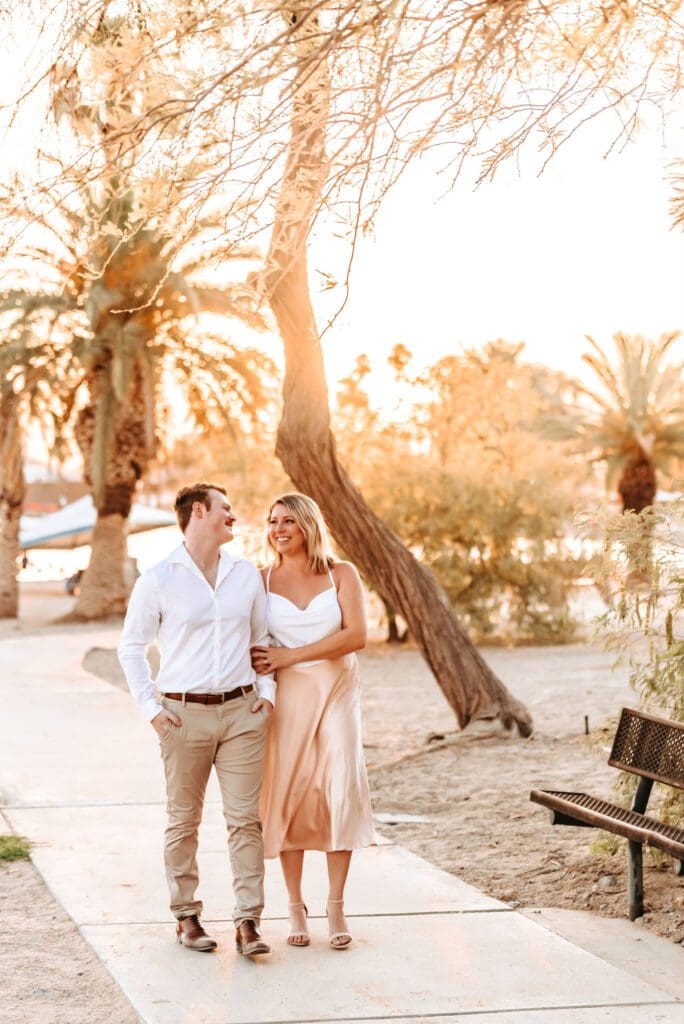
270,659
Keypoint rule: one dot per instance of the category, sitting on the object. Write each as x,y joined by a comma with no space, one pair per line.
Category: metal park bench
652,748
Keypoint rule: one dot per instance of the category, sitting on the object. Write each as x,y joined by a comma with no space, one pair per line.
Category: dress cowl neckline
328,590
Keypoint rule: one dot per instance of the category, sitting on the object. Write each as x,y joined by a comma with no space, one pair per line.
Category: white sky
586,248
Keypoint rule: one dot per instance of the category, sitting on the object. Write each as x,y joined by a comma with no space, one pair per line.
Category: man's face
218,519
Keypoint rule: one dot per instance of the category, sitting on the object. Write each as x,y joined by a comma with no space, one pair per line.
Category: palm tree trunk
113,470
305,444
103,589
637,487
9,551
12,492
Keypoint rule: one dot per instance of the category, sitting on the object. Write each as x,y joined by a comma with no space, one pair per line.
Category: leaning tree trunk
12,491
305,444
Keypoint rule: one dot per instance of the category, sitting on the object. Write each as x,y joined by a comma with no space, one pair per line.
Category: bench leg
635,880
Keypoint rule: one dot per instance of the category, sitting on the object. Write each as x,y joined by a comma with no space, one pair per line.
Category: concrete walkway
80,775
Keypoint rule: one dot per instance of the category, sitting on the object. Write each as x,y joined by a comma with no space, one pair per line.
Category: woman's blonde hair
309,519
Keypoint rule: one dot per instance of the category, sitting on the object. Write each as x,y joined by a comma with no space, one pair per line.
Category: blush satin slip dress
314,794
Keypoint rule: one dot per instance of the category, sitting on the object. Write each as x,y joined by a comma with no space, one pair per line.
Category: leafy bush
642,577
480,499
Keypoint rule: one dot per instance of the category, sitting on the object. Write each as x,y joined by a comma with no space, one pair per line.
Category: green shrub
478,497
642,580
14,848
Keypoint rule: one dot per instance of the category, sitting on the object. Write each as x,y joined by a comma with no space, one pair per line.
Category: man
205,609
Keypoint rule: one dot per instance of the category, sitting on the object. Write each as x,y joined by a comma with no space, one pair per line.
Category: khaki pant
231,738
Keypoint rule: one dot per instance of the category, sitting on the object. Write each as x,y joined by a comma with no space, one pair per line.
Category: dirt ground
472,788
49,973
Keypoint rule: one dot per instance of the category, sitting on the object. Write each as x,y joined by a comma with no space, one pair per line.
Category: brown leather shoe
248,940
192,935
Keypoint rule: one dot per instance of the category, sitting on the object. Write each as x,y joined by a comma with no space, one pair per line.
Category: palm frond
213,252
600,364
237,301
25,303
642,413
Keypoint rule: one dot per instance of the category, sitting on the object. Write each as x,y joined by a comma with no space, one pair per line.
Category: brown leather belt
210,698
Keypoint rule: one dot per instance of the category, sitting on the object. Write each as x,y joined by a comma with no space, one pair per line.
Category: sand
472,788
49,973
475,789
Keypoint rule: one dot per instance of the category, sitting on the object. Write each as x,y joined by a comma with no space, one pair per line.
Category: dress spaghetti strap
332,579
268,578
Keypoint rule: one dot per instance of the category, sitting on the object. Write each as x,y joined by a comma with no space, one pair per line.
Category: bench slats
649,746
601,814
654,749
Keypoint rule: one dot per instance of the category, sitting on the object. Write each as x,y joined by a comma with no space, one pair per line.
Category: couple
290,769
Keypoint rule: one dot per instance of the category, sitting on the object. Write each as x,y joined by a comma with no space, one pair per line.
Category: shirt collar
181,556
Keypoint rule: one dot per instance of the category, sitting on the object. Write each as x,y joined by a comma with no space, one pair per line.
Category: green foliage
14,848
642,579
472,491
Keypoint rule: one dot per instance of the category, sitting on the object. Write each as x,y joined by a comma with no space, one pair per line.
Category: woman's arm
351,637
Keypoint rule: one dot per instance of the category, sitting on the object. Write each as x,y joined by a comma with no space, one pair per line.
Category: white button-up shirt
203,634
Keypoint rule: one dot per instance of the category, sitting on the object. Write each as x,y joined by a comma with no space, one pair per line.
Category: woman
315,791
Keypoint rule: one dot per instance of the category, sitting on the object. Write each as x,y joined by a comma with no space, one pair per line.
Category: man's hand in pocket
164,722
260,703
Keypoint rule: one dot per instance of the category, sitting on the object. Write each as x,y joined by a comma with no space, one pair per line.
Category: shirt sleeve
266,685
140,629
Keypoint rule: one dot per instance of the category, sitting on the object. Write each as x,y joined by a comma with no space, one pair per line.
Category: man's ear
198,508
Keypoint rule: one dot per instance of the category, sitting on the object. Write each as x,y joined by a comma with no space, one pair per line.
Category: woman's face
285,536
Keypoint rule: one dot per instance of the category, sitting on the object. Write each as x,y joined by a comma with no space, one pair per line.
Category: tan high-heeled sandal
303,936
338,940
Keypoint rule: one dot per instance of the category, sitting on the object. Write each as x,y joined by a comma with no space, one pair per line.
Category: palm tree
634,421
125,357
122,295
125,328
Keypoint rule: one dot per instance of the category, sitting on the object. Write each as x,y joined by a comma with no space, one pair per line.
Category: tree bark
103,589
637,487
12,492
637,490
305,444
